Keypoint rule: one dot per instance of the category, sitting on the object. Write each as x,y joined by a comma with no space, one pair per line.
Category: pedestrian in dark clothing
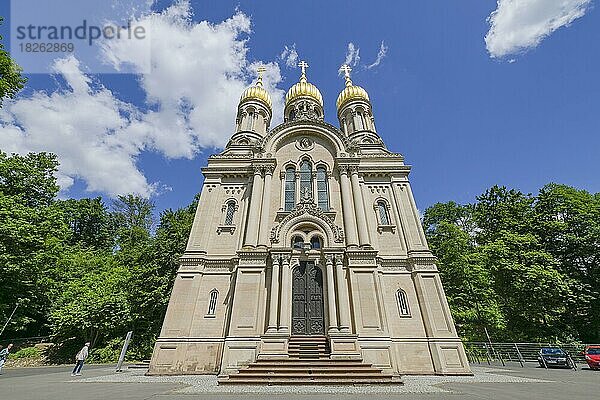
80,358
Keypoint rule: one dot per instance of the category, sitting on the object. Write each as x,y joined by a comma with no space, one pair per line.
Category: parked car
554,357
592,356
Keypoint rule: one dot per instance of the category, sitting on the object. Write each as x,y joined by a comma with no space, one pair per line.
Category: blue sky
464,115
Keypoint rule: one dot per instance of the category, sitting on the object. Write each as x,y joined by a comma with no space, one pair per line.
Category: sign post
123,351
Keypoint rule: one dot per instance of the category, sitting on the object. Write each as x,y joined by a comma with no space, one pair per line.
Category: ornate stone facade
307,229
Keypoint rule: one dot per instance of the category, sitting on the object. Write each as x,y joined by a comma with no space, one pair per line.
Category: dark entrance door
307,300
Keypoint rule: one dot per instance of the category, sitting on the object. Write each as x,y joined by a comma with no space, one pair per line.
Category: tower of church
307,245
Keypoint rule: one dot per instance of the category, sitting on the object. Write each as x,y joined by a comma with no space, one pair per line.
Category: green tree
568,224
91,303
11,81
132,216
530,291
501,210
468,283
32,236
496,269
90,222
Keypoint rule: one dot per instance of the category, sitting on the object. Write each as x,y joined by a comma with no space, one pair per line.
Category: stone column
255,203
333,326
274,306
342,288
297,194
347,208
285,307
282,199
359,207
315,190
264,223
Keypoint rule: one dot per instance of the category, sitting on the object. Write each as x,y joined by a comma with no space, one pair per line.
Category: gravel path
207,384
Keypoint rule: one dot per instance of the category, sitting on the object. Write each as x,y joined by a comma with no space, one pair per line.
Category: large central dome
303,89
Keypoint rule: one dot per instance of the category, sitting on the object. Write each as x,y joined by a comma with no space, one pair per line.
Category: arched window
402,300
290,188
229,212
315,242
250,121
384,217
350,122
322,192
359,120
305,180
212,302
297,242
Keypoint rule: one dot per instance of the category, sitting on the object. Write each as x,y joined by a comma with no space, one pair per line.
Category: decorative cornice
362,257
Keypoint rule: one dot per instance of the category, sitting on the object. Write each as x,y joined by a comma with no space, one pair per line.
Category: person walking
80,358
4,355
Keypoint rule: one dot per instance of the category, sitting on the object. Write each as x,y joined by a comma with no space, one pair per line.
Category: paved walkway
100,382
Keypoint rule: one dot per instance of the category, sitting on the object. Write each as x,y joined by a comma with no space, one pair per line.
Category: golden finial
303,65
346,68
260,71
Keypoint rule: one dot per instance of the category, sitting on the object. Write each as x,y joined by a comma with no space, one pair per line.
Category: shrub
107,354
27,352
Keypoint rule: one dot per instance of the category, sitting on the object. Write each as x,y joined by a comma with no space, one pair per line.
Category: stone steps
308,364
308,347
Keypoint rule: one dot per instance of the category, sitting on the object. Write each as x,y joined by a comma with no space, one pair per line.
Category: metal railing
488,352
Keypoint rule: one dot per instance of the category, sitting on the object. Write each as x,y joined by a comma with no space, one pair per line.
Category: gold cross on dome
303,65
346,68
260,71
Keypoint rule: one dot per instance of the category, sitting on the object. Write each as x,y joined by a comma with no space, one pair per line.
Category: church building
307,255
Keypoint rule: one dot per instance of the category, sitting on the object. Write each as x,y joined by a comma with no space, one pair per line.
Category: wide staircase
308,364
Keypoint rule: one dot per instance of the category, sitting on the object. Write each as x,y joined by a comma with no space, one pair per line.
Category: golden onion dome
303,89
351,91
257,92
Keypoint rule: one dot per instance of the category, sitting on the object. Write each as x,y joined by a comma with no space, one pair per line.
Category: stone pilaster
333,326
274,303
255,208
265,223
343,298
348,208
285,309
359,208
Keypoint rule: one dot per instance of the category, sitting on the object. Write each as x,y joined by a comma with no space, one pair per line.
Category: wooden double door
307,300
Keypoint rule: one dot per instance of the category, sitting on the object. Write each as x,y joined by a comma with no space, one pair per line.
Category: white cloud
519,25
84,125
352,55
198,72
380,56
289,56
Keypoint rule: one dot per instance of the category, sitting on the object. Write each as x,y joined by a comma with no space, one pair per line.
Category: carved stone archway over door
307,300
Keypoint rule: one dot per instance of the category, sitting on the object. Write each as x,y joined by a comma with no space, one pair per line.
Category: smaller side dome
257,92
351,91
